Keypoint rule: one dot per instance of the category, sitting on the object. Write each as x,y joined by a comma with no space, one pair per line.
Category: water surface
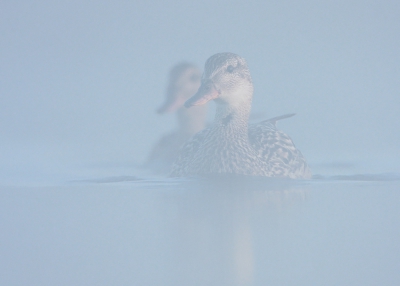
232,231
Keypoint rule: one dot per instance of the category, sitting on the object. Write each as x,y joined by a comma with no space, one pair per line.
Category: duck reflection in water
184,81
224,223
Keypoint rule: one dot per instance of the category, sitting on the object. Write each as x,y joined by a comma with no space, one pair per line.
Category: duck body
231,145
184,81
265,151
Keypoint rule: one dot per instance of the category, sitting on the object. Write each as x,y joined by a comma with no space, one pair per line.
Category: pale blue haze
80,82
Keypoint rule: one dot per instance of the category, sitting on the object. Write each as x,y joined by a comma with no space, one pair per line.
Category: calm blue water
123,230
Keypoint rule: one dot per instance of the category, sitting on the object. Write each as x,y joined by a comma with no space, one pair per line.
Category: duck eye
229,69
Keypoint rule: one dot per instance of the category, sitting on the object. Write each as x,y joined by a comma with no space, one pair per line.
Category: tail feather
273,120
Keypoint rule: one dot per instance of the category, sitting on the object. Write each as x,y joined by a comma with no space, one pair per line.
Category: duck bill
205,93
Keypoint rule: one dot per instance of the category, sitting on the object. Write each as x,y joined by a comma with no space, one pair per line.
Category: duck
231,145
184,81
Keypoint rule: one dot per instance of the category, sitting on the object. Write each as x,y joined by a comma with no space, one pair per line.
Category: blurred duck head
184,81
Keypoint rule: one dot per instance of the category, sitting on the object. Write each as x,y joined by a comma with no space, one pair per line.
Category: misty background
80,80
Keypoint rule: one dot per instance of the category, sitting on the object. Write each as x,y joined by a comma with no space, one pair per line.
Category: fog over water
80,82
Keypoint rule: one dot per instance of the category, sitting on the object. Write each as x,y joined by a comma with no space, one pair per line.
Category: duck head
184,81
226,79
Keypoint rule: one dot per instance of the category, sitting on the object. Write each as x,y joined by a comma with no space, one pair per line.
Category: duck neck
192,120
233,119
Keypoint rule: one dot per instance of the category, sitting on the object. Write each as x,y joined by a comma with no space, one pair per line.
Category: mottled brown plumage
231,145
